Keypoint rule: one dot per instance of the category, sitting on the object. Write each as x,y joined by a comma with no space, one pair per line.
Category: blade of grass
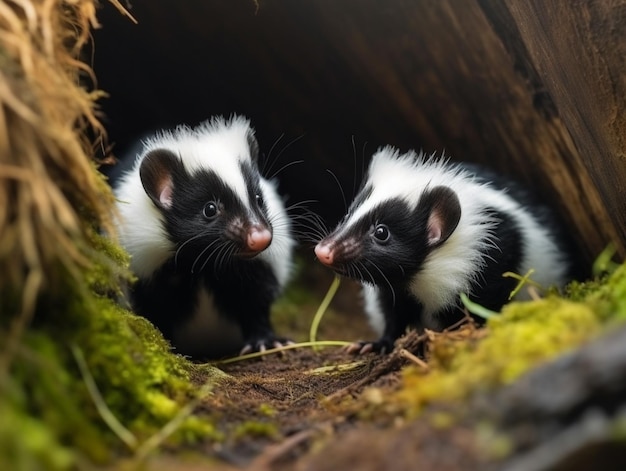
291,346
604,262
115,425
476,308
336,368
321,310
522,280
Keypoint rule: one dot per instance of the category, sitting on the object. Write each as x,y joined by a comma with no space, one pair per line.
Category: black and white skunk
421,231
209,238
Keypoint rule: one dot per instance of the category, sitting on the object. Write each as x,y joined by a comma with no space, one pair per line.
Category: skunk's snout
258,239
324,253
337,253
252,238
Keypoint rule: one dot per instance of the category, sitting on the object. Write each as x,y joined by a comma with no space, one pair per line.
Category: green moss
110,268
606,296
256,429
26,444
142,383
266,410
523,335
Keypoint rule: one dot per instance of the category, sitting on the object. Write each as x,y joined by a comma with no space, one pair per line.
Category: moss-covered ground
103,388
85,384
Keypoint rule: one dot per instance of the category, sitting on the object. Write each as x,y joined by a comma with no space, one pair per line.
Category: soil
284,413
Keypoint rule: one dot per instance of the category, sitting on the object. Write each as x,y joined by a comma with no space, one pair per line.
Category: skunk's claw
381,346
264,343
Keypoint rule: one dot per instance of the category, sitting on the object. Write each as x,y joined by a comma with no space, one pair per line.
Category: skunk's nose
324,253
258,239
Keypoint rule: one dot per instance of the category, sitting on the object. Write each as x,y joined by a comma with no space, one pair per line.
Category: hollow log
535,90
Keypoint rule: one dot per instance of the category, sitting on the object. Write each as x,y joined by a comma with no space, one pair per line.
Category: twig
393,362
466,319
533,293
418,361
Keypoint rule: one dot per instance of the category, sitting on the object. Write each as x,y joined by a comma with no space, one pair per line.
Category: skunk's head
207,188
397,219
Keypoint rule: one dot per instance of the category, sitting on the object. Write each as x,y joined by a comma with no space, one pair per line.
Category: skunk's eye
210,210
381,233
259,199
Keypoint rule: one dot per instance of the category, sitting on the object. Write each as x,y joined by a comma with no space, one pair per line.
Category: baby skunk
209,238
421,231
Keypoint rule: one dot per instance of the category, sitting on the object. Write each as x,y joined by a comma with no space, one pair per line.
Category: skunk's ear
444,209
253,144
156,171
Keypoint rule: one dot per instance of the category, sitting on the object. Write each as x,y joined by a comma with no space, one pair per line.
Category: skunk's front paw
382,346
262,343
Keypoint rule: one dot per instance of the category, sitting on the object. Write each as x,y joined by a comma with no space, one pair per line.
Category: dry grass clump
50,196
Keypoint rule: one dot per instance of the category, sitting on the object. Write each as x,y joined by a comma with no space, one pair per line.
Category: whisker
197,236
202,253
309,228
369,274
300,205
222,256
363,160
358,271
311,220
309,231
289,144
343,196
217,253
309,223
393,293
268,168
354,170
287,165
307,238
269,155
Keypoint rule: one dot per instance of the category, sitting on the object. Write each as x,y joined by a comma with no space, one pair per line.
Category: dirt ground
303,409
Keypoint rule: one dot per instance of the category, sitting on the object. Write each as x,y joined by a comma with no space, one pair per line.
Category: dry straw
50,195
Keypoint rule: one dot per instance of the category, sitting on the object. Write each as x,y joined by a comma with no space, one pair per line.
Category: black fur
545,215
185,220
370,261
391,263
408,251
243,293
363,256
210,253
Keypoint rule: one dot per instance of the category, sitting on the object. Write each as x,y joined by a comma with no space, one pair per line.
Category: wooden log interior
536,90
